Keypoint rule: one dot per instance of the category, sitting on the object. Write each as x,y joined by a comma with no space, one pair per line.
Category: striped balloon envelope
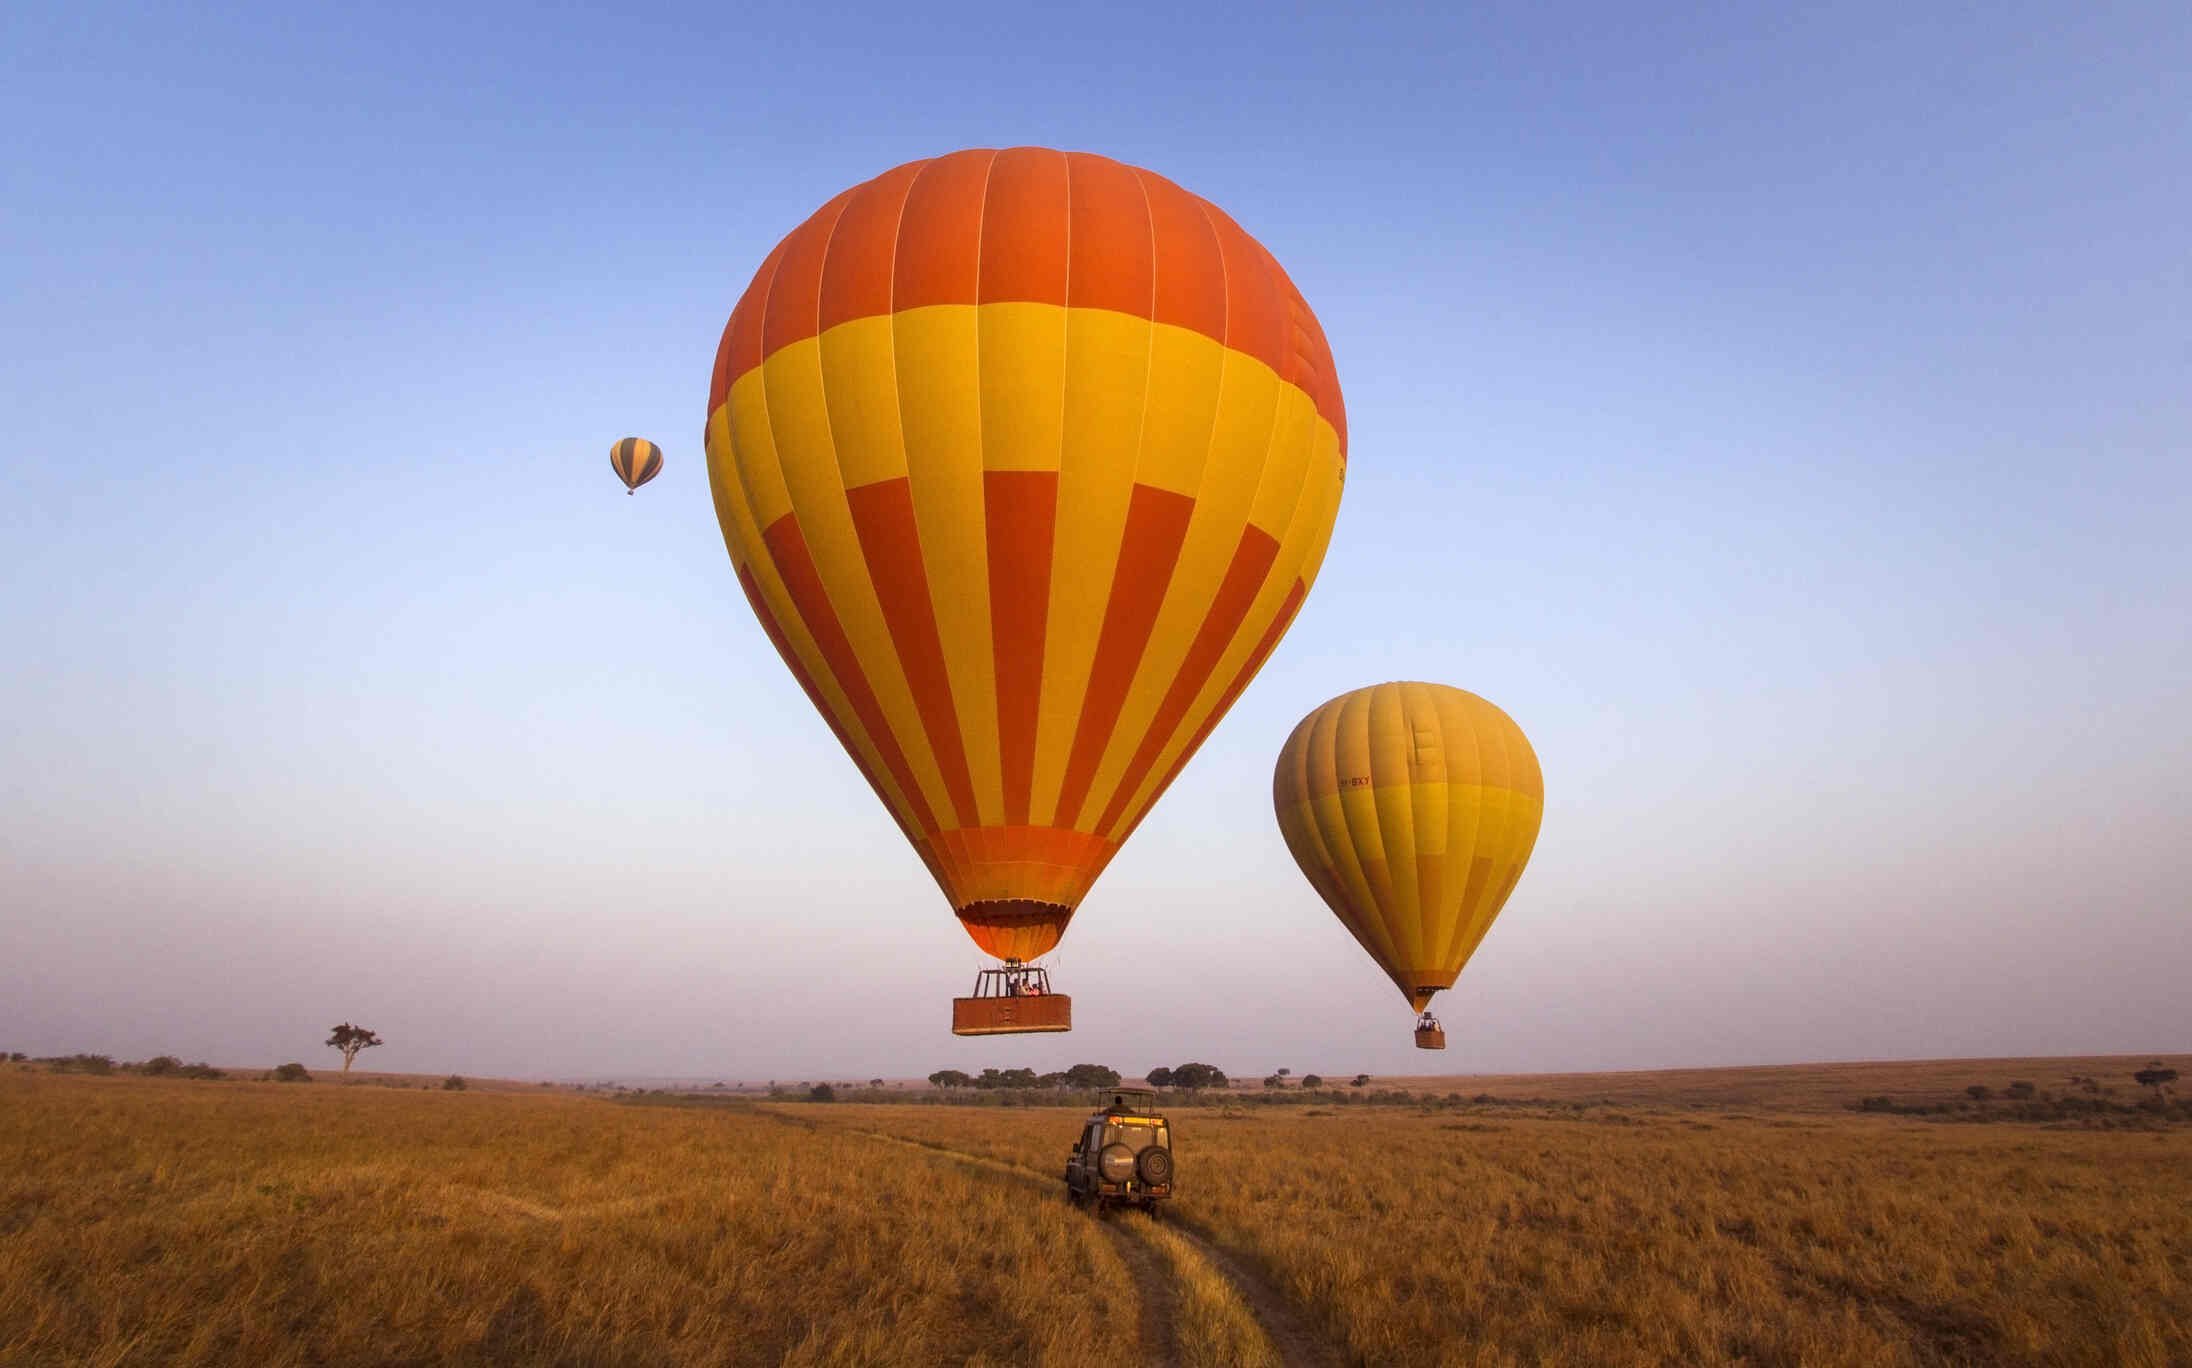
1412,809
635,461
1025,460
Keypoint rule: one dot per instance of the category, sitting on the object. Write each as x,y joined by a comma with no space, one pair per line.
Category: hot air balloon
1412,808
636,461
1025,460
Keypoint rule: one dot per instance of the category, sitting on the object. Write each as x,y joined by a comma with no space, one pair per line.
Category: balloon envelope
1025,460
1412,809
635,461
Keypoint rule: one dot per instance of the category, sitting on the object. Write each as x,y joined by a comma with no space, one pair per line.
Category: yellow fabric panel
742,536
1293,444
799,420
1323,830
752,450
936,360
861,379
1392,750
1106,390
1240,454
1301,529
948,508
1184,376
1327,481
1413,809
1023,372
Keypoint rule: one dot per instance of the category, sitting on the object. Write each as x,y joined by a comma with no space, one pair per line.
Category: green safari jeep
1124,1153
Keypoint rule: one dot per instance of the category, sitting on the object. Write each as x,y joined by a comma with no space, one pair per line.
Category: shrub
452,1084
292,1073
1361,1081
160,1066
821,1092
2020,1091
1312,1081
1978,1092
1273,1081
201,1069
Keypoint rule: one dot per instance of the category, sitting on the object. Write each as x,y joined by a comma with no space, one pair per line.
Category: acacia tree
2157,1076
351,1039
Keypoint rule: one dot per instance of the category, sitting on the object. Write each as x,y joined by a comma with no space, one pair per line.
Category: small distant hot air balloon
1025,461
1412,808
636,461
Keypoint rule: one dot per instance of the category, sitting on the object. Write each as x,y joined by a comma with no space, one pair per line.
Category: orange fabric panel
1255,304
1236,594
1107,239
741,349
882,514
856,278
1015,930
788,549
940,236
1265,645
794,310
1023,228
1190,268
1149,548
1022,507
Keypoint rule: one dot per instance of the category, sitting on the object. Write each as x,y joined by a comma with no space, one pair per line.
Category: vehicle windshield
1137,1136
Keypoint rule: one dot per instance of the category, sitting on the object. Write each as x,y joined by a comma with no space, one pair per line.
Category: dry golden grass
150,1221
1622,1237
1800,1087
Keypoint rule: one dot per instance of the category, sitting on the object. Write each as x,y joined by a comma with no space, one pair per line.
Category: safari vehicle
1124,1154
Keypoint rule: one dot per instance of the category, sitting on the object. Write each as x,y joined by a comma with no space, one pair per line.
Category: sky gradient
1786,418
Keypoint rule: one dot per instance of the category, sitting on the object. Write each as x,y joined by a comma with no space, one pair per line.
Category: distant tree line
2086,1099
1079,1076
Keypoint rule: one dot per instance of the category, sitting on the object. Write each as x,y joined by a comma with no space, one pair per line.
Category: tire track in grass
1245,1321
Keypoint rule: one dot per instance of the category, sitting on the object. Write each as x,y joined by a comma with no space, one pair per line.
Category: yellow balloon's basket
1429,1034
1014,1000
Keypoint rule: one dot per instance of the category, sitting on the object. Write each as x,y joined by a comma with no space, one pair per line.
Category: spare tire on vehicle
1115,1163
1155,1166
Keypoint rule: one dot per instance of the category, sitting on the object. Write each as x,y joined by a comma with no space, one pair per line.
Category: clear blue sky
1783,415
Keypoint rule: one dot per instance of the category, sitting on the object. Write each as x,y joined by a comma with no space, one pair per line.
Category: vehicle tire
1115,1163
1155,1166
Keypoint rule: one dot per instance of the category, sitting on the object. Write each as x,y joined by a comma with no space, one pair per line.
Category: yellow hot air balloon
635,461
1025,460
1412,808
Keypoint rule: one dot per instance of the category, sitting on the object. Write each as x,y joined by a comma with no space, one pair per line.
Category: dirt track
1287,1338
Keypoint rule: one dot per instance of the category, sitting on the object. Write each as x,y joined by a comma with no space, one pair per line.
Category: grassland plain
149,1221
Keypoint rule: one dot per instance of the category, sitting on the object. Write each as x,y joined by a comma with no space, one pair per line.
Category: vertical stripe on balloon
1156,523
1020,523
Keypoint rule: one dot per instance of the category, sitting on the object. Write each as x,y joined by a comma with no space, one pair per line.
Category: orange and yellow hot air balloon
1412,808
1025,460
635,461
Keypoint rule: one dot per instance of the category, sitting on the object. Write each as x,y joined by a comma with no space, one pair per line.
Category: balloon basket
1429,1034
1014,1000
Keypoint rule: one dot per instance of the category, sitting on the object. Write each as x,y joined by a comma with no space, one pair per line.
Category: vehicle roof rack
1129,1099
